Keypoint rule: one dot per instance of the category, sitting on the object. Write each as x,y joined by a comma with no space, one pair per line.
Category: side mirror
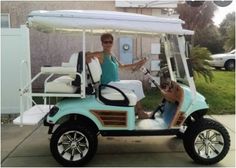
195,3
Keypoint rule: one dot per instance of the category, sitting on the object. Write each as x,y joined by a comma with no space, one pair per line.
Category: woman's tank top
109,69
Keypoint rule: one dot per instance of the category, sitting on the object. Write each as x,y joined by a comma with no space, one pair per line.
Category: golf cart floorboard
144,127
152,132
33,115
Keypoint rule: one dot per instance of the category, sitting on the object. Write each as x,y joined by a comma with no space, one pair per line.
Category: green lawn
220,94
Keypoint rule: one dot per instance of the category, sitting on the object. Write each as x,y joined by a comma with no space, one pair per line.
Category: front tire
230,65
179,135
73,144
206,141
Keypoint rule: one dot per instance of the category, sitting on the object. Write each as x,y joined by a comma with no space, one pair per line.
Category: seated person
110,76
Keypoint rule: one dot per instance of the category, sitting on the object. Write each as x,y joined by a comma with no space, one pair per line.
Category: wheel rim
209,144
73,145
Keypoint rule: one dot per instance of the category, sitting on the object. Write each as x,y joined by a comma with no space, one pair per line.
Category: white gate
15,68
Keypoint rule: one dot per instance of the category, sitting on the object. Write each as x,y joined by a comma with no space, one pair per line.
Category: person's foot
145,115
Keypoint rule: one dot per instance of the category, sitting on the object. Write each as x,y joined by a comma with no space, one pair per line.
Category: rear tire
73,144
206,141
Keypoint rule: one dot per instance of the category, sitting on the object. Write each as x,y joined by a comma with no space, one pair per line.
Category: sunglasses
107,42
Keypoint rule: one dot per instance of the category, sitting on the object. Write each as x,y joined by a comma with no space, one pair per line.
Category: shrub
199,56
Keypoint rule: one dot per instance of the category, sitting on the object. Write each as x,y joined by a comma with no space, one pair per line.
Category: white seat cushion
58,70
72,62
112,94
95,70
61,85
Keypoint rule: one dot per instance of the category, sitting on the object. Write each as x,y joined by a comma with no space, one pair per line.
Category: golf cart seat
70,83
107,94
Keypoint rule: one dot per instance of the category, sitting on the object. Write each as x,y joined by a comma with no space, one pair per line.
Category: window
168,11
5,20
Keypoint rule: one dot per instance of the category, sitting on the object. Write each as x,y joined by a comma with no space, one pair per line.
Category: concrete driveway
28,146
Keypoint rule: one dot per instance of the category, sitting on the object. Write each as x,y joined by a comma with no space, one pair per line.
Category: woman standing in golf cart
110,72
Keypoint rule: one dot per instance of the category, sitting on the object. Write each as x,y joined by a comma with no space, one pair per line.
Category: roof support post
182,48
168,56
83,72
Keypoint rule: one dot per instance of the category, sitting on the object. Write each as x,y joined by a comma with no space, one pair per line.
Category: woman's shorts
133,85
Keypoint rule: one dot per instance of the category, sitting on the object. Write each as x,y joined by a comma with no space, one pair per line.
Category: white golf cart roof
96,21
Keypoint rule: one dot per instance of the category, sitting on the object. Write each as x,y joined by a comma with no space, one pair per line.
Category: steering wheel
139,66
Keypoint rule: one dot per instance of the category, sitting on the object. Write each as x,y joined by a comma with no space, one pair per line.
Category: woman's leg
132,85
137,87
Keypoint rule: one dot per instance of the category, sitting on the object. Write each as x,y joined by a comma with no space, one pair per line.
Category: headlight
53,111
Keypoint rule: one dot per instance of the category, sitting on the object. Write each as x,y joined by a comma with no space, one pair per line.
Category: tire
230,65
206,141
73,139
180,135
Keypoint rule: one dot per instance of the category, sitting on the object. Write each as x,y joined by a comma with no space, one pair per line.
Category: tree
230,39
226,23
227,30
210,38
196,17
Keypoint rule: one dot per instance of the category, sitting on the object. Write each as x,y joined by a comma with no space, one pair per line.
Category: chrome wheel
209,144
206,141
73,145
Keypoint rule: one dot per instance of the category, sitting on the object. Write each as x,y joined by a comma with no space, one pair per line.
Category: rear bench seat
66,84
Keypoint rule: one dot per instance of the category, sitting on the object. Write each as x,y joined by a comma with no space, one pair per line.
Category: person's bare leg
139,110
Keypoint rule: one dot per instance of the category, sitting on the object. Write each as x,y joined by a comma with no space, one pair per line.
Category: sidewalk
28,146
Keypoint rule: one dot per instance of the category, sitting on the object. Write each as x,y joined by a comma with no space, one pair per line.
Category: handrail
46,80
21,83
55,95
25,90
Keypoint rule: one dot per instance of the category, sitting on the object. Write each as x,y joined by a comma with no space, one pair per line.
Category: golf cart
88,108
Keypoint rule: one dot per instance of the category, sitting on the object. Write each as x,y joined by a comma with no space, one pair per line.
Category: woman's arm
91,55
134,65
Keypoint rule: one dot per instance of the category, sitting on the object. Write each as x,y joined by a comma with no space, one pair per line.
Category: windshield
232,52
176,59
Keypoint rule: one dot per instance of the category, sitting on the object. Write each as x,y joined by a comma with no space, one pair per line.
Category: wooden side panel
111,118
